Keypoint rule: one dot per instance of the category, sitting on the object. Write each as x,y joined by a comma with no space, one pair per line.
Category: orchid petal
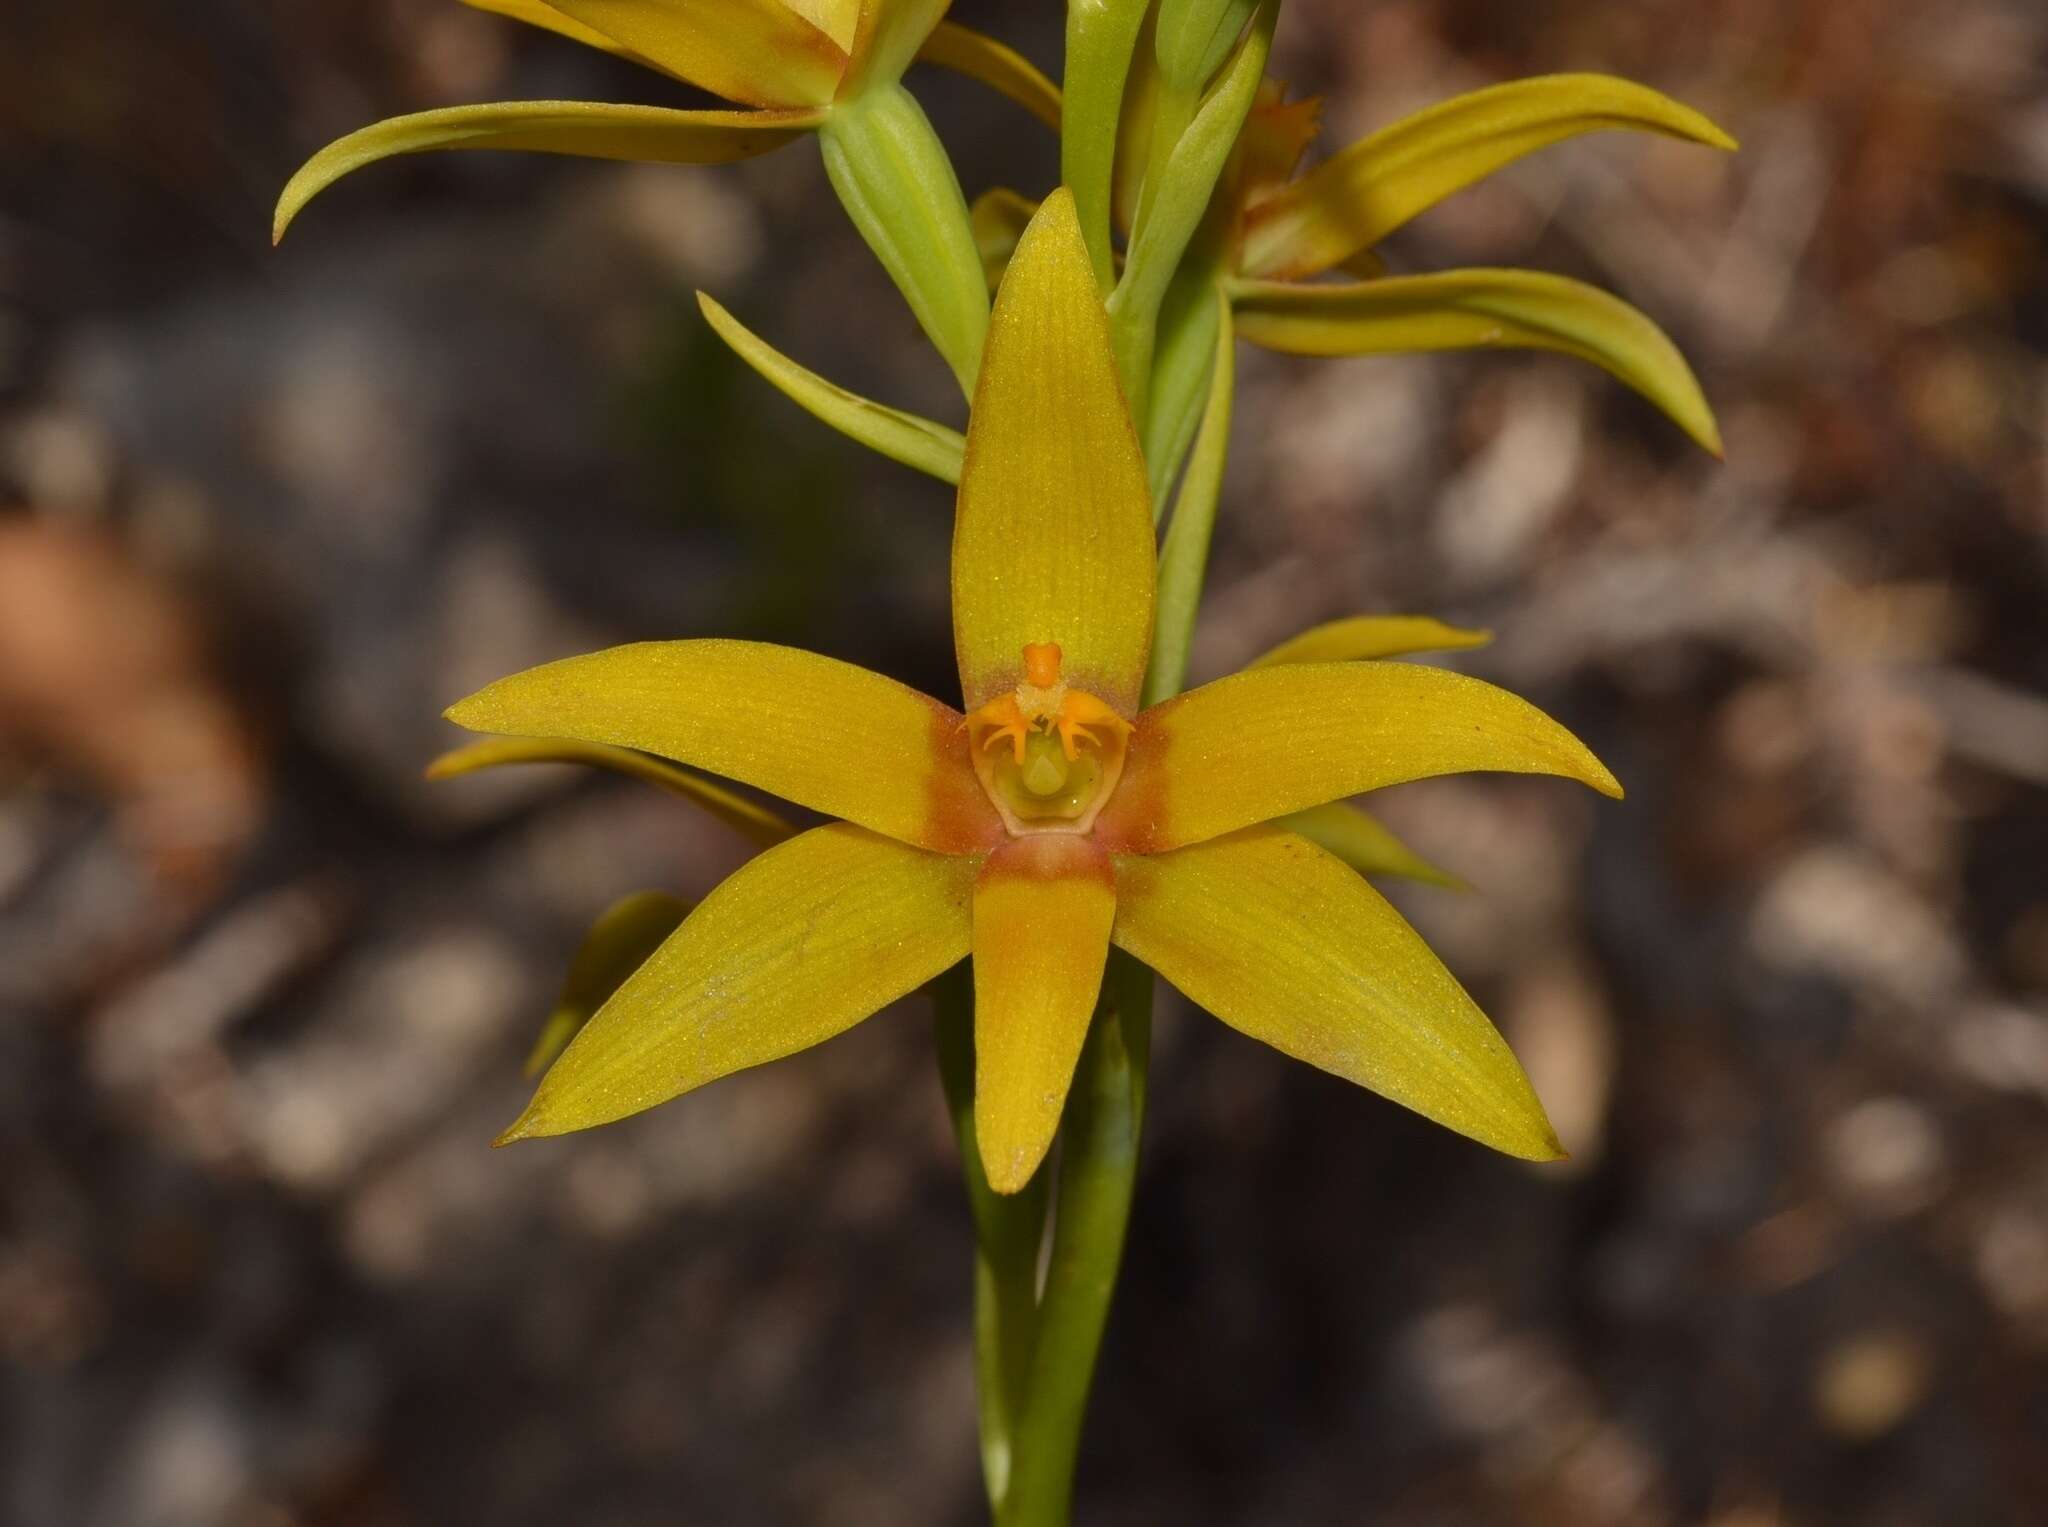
1053,539
1371,636
736,811
1479,309
760,52
1284,943
822,733
617,945
839,20
1359,196
1042,910
653,134
536,13
1271,741
904,437
796,946
1002,69
1365,843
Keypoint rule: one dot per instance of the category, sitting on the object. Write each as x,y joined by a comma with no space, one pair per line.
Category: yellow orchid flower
1049,818
796,67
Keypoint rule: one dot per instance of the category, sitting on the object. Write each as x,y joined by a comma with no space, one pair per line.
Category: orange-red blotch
959,817
1135,819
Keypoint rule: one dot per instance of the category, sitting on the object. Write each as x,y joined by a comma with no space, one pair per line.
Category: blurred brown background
263,994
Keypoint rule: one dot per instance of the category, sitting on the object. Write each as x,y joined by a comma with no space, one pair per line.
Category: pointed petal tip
1548,1151
525,1127
464,712
1009,1169
1529,1137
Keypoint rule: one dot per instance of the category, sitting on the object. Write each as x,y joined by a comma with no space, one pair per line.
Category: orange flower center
1047,755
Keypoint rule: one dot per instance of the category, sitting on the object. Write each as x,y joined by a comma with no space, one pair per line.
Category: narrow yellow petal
617,945
1270,741
837,19
916,442
1371,636
595,131
1478,310
1286,944
1042,909
798,945
1053,539
760,52
1359,196
822,733
537,13
736,811
1365,843
1001,68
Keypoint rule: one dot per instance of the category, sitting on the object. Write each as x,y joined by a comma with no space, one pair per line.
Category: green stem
1008,1231
1184,561
1101,35
1097,1176
1183,363
1176,203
